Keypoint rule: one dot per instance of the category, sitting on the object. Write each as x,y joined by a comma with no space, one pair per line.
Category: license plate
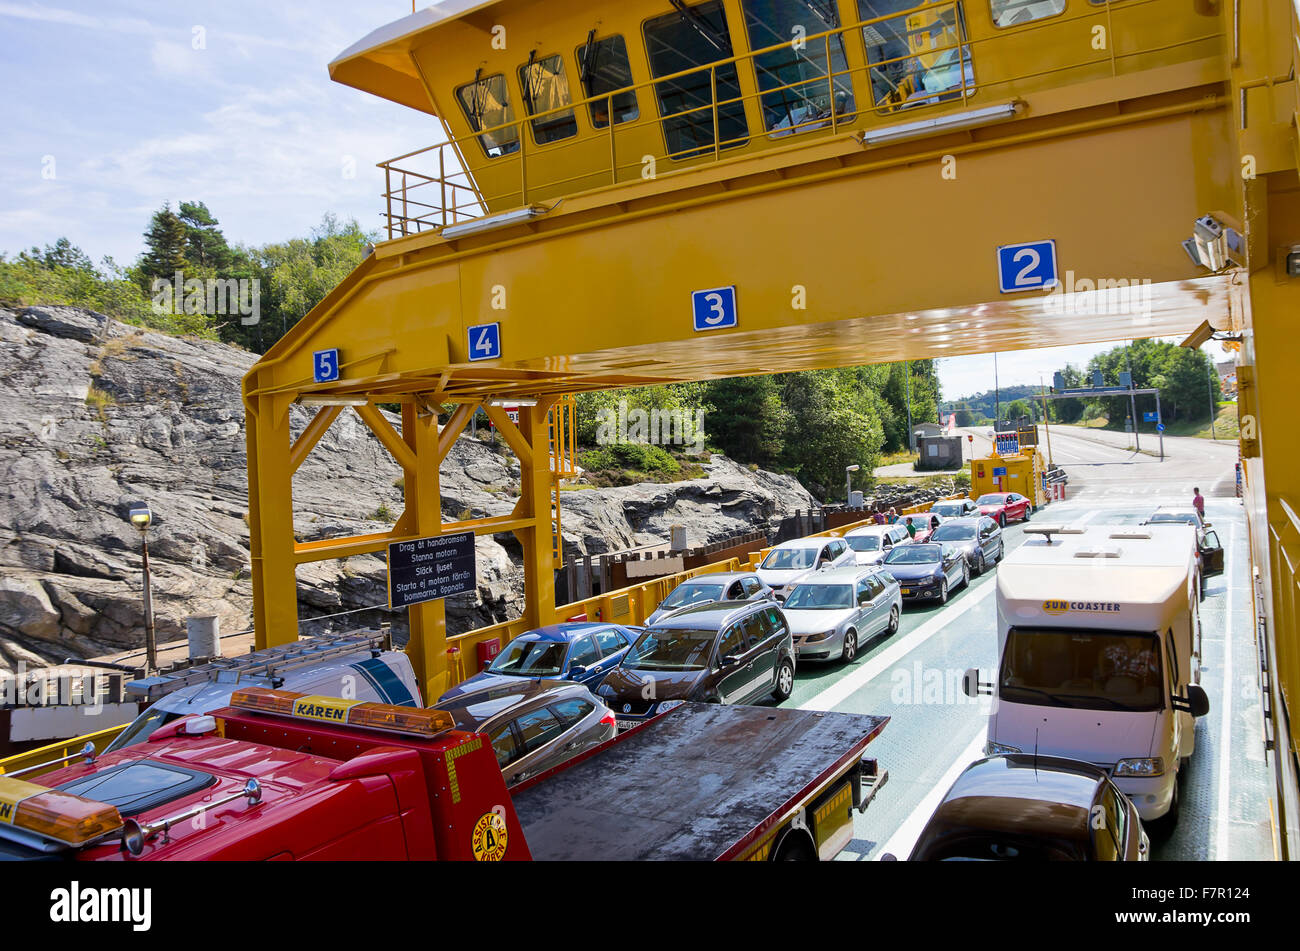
626,724
907,591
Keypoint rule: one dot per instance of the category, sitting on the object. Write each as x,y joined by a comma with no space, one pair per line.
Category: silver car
977,537
709,588
872,543
534,725
833,613
790,562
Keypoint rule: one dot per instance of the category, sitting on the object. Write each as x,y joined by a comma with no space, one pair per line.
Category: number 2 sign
1027,267
714,309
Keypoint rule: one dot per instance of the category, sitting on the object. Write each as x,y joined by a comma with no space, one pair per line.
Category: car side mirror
576,671
729,660
889,857
1198,702
779,597
971,686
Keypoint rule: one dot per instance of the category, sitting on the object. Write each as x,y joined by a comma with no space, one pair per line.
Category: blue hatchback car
580,651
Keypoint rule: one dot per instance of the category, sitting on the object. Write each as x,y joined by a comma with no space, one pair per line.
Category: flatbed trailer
705,782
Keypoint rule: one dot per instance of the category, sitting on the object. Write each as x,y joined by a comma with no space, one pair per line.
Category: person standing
1198,503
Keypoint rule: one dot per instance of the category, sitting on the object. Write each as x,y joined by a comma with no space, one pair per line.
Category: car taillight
609,718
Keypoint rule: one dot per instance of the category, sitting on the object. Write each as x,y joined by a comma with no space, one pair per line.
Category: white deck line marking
844,688
904,838
1222,823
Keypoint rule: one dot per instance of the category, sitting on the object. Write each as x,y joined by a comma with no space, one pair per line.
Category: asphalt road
935,730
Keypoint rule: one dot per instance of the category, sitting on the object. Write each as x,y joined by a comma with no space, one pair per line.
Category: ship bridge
651,191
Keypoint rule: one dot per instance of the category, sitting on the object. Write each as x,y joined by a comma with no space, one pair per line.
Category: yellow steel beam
384,431
455,426
320,423
510,432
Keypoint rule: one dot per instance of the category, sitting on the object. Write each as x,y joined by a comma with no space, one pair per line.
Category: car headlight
817,638
1141,767
998,749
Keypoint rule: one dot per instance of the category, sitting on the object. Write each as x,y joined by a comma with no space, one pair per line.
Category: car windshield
1088,669
953,533
785,559
947,509
530,657
863,542
913,555
990,500
671,649
687,594
820,597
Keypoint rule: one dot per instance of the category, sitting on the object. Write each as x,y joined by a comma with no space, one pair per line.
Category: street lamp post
141,517
848,483
1214,410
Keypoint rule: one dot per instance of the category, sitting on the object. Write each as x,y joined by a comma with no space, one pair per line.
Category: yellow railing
430,188
55,751
1284,565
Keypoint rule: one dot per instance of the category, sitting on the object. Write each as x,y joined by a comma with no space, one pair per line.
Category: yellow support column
270,520
427,647
535,488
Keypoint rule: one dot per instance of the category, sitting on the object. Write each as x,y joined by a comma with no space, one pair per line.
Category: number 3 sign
714,309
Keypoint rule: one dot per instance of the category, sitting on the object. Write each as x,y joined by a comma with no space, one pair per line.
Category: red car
1002,506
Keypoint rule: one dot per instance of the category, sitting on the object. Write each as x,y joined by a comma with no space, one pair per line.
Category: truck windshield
671,649
139,729
1075,667
820,597
692,594
530,658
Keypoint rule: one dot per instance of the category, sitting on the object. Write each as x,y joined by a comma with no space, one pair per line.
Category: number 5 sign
714,309
1026,267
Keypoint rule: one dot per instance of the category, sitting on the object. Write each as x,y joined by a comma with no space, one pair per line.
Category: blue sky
115,96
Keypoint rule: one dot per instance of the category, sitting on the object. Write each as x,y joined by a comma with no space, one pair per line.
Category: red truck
282,776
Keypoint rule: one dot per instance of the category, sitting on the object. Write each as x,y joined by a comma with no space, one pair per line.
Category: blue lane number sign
325,366
714,309
485,342
1027,267
1160,427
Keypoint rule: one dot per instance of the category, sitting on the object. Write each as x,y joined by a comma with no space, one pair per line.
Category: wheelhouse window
486,103
696,37
798,91
916,55
604,70
545,89
1086,669
1016,12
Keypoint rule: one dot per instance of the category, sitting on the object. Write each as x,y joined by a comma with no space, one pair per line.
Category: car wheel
1002,519
981,565
943,591
965,574
850,646
893,621
1002,550
784,680
1029,510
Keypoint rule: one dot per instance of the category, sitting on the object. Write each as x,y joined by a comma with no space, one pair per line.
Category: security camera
1214,246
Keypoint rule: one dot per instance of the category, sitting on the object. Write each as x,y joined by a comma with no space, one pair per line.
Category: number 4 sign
485,342
1027,267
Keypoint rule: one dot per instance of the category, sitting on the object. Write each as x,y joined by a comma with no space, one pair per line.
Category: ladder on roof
269,663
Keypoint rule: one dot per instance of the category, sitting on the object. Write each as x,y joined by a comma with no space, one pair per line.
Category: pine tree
205,245
165,243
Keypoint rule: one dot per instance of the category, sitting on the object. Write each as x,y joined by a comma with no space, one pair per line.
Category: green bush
630,455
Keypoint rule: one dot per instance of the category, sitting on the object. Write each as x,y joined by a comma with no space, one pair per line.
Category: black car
1034,808
977,537
727,652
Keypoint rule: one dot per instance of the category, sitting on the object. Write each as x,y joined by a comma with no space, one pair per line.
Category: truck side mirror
1198,703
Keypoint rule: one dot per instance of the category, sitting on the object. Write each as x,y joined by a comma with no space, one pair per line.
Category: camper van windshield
1089,669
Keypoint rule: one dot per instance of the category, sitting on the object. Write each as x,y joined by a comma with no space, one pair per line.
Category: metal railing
432,188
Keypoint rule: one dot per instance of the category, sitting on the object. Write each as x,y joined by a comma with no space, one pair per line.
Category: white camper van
1099,655
359,665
